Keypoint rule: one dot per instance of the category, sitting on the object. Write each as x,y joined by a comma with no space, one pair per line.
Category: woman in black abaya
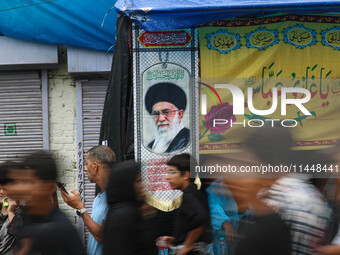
122,234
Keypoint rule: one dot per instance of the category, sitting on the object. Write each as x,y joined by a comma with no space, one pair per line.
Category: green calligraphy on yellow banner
262,61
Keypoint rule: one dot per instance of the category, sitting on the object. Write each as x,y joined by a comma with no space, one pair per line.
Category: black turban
165,92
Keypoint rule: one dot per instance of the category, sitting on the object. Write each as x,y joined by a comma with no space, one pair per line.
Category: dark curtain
117,121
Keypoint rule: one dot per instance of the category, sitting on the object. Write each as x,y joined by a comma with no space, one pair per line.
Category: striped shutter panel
21,114
93,98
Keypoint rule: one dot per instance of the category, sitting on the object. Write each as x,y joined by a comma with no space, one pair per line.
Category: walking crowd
286,213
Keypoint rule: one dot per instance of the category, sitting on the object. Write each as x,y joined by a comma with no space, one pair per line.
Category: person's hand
330,249
12,205
167,239
230,232
73,201
11,208
186,249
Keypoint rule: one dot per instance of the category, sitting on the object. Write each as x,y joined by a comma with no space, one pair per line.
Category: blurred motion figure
122,229
46,229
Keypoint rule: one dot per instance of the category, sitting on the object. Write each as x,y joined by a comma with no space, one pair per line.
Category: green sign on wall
10,129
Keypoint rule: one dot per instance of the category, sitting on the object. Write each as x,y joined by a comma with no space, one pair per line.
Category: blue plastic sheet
164,14
69,22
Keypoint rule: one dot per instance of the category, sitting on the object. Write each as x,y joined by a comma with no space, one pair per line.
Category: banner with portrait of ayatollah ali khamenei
277,71
166,113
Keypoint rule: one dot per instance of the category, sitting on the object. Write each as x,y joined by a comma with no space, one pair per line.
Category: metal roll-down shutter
89,115
21,114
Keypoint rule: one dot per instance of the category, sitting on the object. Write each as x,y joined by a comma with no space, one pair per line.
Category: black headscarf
121,182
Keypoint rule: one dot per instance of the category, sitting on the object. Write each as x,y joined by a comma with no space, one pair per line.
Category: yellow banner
268,56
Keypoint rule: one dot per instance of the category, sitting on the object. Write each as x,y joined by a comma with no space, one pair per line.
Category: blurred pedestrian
333,248
46,229
149,219
302,207
292,195
11,213
122,229
224,217
264,232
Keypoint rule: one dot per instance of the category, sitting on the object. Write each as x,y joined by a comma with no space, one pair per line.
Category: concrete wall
62,125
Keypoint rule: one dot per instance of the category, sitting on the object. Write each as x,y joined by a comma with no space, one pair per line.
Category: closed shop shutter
21,114
93,97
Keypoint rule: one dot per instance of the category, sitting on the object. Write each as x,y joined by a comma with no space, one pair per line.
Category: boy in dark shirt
46,229
192,223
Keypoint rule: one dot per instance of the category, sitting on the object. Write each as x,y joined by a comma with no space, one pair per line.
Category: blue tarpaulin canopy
70,22
79,22
164,14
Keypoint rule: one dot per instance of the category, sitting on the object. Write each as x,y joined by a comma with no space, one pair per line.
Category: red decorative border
269,20
235,146
142,40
